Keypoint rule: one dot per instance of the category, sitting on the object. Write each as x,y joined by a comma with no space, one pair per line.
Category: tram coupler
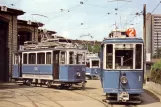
123,96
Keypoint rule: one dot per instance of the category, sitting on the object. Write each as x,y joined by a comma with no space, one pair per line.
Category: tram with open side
122,68
50,64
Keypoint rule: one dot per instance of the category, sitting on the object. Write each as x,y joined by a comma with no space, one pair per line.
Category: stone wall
12,36
32,29
154,87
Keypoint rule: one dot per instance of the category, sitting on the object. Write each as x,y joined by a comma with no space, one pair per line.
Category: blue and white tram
92,66
49,66
122,69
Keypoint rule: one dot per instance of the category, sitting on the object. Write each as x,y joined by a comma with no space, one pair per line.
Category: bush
156,72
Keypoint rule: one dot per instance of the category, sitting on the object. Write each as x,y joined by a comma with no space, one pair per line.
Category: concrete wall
155,87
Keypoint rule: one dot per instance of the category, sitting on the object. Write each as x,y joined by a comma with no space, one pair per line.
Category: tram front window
95,63
123,59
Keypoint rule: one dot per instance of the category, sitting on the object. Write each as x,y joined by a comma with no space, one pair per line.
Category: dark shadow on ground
146,98
11,85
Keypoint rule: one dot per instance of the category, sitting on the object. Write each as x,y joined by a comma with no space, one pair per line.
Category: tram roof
93,58
122,40
47,49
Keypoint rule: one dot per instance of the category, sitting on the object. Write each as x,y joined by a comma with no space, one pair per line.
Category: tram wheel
83,85
48,84
88,78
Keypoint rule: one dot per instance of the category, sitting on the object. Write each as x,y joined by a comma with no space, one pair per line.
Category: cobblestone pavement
12,95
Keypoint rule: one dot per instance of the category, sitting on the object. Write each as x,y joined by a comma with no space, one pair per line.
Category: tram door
20,64
56,64
17,66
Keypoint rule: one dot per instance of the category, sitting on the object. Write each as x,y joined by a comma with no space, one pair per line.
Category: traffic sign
131,32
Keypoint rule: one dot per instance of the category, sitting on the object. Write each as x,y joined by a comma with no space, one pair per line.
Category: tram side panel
72,73
15,72
34,71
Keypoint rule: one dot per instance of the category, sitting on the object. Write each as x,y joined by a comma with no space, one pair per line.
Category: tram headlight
78,74
95,71
124,80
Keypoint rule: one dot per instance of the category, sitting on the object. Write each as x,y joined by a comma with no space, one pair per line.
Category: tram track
105,104
45,97
90,97
33,102
13,103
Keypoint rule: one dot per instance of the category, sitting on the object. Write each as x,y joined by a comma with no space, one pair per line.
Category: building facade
27,31
8,40
13,34
153,33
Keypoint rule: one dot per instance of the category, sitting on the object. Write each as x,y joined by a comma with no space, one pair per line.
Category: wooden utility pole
144,36
144,25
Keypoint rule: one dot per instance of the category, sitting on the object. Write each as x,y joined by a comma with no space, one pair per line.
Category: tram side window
71,57
48,58
79,59
25,58
83,58
138,56
32,58
62,57
109,56
95,63
40,58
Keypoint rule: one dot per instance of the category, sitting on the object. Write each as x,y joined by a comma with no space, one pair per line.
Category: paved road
12,95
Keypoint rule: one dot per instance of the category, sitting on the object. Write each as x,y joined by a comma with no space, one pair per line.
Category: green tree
156,72
94,48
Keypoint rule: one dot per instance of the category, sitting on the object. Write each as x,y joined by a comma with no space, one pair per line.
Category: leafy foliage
156,72
94,48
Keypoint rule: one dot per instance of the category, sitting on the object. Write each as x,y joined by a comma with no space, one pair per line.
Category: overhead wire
154,9
95,5
101,16
13,4
69,10
151,12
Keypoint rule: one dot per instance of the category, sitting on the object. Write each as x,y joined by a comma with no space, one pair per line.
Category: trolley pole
144,36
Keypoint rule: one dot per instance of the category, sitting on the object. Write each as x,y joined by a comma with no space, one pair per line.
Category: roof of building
29,23
48,31
4,9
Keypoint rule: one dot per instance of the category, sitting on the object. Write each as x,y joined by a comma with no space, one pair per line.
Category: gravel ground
12,95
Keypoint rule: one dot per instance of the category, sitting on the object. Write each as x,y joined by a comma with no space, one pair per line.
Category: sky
72,19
